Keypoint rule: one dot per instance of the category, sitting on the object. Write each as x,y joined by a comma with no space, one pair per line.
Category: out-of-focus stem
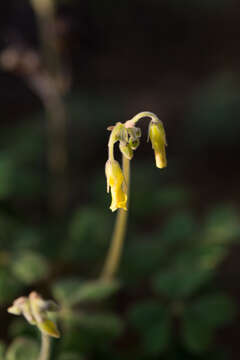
115,251
49,86
45,348
45,16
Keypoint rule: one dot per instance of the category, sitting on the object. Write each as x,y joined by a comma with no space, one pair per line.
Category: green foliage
184,265
222,225
203,317
153,322
87,332
70,356
180,228
141,249
7,173
89,233
167,306
73,291
22,349
181,281
19,162
29,267
2,350
20,327
171,196
104,323
9,286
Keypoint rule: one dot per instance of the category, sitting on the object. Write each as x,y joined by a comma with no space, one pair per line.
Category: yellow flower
115,180
158,140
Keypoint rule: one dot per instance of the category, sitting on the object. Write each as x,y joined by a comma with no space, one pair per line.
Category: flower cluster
36,311
128,136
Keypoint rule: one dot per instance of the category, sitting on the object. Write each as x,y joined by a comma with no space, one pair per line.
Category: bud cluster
130,141
129,136
36,311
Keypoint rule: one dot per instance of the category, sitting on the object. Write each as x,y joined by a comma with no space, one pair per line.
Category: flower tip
161,161
158,140
13,310
49,328
113,209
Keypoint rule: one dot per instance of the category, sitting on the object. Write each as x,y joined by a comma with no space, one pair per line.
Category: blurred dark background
179,276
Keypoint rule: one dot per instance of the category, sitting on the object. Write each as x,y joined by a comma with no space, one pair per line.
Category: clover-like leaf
222,226
153,322
29,267
203,317
104,323
74,291
182,280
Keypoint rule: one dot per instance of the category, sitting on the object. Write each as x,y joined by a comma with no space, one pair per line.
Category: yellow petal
49,328
113,173
158,140
157,133
160,157
119,198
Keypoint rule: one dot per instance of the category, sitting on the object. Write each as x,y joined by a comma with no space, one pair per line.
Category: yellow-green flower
158,140
126,150
36,311
115,181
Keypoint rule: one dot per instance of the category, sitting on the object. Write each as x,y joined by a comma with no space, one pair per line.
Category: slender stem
113,139
50,85
140,115
114,254
45,16
45,348
111,151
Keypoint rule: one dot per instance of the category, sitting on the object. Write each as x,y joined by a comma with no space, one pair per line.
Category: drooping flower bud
21,306
134,143
40,311
126,150
134,135
158,140
115,180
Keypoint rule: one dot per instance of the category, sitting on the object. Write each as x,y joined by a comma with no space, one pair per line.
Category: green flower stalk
128,136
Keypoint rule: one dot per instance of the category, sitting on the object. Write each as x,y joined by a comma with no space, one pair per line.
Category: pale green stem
112,140
136,118
111,151
115,251
45,348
